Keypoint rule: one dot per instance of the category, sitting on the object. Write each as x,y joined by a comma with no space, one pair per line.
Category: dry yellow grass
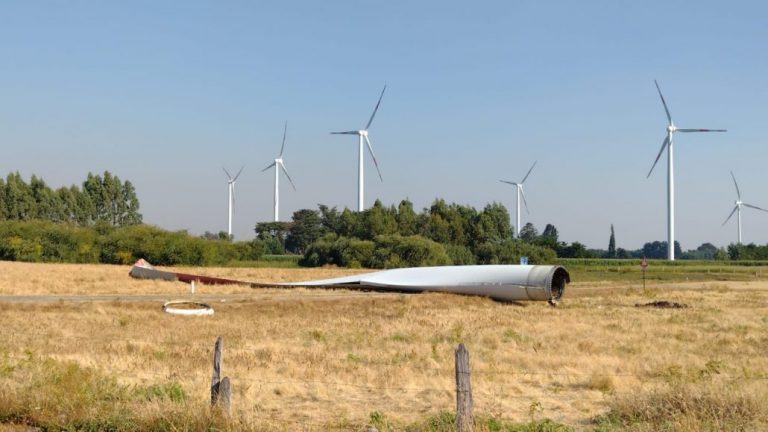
316,356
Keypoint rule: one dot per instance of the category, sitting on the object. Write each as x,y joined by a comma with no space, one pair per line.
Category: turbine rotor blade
663,145
730,215
228,174
233,198
285,132
669,117
754,207
738,192
238,173
508,182
346,133
377,108
525,203
529,172
268,166
370,149
701,130
286,174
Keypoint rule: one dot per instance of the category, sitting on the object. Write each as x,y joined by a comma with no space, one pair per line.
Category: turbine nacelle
363,133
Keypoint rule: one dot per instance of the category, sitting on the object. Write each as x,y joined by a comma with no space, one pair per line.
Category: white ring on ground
201,309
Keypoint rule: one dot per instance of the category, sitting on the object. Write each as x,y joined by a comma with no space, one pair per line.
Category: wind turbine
362,134
278,163
671,129
520,194
231,183
737,208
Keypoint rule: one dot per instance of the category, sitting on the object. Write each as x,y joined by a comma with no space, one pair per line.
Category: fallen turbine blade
738,192
285,132
663,145
377,108
669,117
268,167
286,174
701,130
370,149
730,215
529,172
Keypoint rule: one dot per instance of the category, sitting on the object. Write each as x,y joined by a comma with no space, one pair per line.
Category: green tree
273,235
549,238
529,233
491,225
407,219
306,228
612,244
19,201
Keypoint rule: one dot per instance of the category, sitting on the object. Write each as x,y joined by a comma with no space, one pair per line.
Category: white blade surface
663,146
376,163
754,207
376,109
285,132
529,172
286,174
238,173
669,117
525,203
730,215
738,192
701,130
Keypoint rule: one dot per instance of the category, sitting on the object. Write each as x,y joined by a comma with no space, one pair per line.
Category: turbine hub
363,132
671,128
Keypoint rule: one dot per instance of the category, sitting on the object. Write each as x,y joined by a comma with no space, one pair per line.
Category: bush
44,241
393,251
509,252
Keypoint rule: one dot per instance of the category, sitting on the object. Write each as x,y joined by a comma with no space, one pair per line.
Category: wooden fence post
464,421
216,378
225,395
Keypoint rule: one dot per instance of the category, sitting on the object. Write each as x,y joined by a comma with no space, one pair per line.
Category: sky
165,94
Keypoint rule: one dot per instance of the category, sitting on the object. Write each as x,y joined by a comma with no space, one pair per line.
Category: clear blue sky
166,93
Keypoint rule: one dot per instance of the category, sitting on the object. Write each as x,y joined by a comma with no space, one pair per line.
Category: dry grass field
305,359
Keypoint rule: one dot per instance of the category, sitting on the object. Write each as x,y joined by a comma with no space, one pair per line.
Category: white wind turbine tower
737,208
278,164
231,184
363,135
671,129
520,194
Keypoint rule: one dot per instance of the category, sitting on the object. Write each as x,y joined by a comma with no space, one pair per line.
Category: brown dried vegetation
313,359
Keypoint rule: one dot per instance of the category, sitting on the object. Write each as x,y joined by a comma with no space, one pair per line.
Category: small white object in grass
193,287
197,309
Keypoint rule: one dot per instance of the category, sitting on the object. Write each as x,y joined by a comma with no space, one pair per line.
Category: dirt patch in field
662,304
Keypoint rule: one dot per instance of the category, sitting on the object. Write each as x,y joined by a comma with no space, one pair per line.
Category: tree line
98,222
100,199
395,236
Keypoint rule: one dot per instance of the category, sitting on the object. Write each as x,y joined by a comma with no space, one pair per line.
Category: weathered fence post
464,421
221,389
216,378
225,395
